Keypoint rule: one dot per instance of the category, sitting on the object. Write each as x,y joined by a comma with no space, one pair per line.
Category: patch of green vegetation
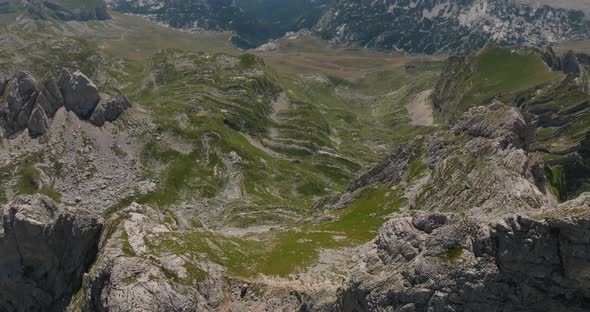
28,182
126,246
452,254
283,252
491,73
557,182
361,220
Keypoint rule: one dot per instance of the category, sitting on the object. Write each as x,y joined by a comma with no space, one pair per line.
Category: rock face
28,104
109,109
433,26
80,93
519,264
45,250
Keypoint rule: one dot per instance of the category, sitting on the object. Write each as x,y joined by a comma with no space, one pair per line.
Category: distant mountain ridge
254,21
416,26
65,10
443,25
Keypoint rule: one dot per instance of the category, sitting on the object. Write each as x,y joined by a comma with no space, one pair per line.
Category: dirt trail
421,109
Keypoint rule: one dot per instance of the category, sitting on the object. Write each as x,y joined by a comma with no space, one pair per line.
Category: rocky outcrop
80,93
129,276
45,250
28,104
570,64
459,264
109,109
50,98
38,122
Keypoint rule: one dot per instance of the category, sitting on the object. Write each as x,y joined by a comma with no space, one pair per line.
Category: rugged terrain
186,175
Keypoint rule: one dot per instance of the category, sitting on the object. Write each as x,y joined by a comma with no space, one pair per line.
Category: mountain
434,26
60,9
144,168
254,21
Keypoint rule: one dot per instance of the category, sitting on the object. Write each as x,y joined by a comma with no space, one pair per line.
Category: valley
176,171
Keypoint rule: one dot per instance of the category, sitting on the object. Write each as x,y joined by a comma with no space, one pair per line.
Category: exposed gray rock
109,109
80,93
28,104
519,264
570,64
50,98
45,250
429,222
495,121
3,82
17,105
38,123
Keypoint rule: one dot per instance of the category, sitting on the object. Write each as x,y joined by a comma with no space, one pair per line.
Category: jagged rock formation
458,264
433,26
45,249
28,104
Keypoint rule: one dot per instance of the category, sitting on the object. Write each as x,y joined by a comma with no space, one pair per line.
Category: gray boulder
45,250
38,123
109,109
80,94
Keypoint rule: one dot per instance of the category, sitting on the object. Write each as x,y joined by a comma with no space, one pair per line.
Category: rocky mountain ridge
409,26
436,26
